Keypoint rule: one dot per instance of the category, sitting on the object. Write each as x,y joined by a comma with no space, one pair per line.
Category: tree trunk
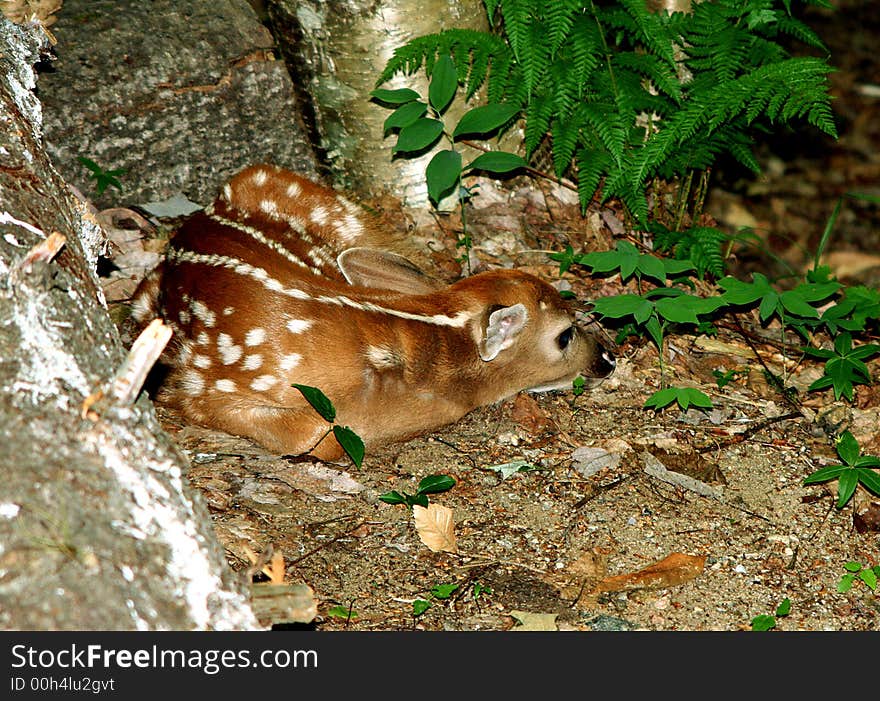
98,526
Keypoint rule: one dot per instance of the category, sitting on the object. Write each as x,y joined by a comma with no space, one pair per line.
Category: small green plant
103,178
480,590
351,443
856,469
725,377
844,366
345,612
432,484
441,592
420,124
653,312
419,606
767,622
856,570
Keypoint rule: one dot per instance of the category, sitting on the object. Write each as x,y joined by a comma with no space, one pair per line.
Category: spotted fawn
283,281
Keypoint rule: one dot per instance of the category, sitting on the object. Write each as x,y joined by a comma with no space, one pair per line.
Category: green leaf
394,97
404,116
419,607
435,483
845,583
318,400
829,472
342,612
869,479
662,398
794,303
419,135
621,305
443,174
351,443
497,162
763,623
393,497
852,566
846,486
784,607
482,120
417,500
847,447
444,81
444,591
740,293
869,577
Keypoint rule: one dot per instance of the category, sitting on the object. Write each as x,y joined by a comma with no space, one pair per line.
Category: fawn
283,281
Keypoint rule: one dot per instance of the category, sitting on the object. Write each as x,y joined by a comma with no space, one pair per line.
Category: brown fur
397,352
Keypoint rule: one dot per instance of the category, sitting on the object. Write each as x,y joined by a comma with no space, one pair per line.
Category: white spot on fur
227,192
299,325
319,215
192,383
184,317
202,313
255,337
350,228
201,361
225,385
270,207
228,311
202,339
383,357
289,362
293,190
252,362
259,178
229,352
184,352
264,382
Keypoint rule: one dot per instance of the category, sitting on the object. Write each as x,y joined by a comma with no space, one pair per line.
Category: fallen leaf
275,569
511,468
435,527
588,460
529,415
674,569
535,621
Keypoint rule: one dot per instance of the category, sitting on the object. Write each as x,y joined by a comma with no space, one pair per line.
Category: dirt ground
565,542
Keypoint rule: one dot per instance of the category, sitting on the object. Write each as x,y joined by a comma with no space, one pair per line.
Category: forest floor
592,534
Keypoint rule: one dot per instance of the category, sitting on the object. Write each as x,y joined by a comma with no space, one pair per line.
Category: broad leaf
482,120
435,483
351,443
404,116
443,174
497,162
419,135
394,97
444,81
318,400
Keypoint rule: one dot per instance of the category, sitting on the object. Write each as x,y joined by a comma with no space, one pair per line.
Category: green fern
628,94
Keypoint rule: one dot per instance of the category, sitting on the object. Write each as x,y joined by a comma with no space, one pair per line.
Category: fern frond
592,164
559,16
516,25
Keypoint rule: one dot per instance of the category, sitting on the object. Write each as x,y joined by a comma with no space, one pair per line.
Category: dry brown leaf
535,621
529,416
275,569
435,527
674,569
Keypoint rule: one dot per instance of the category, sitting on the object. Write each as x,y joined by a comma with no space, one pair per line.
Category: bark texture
179,93
99,528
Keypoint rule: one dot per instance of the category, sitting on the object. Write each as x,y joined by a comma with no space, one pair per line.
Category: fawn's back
283,281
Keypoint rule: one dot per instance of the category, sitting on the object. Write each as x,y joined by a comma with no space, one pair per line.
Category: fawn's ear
370,267
502,328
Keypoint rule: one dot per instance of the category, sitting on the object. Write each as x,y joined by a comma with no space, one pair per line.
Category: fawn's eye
563,339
